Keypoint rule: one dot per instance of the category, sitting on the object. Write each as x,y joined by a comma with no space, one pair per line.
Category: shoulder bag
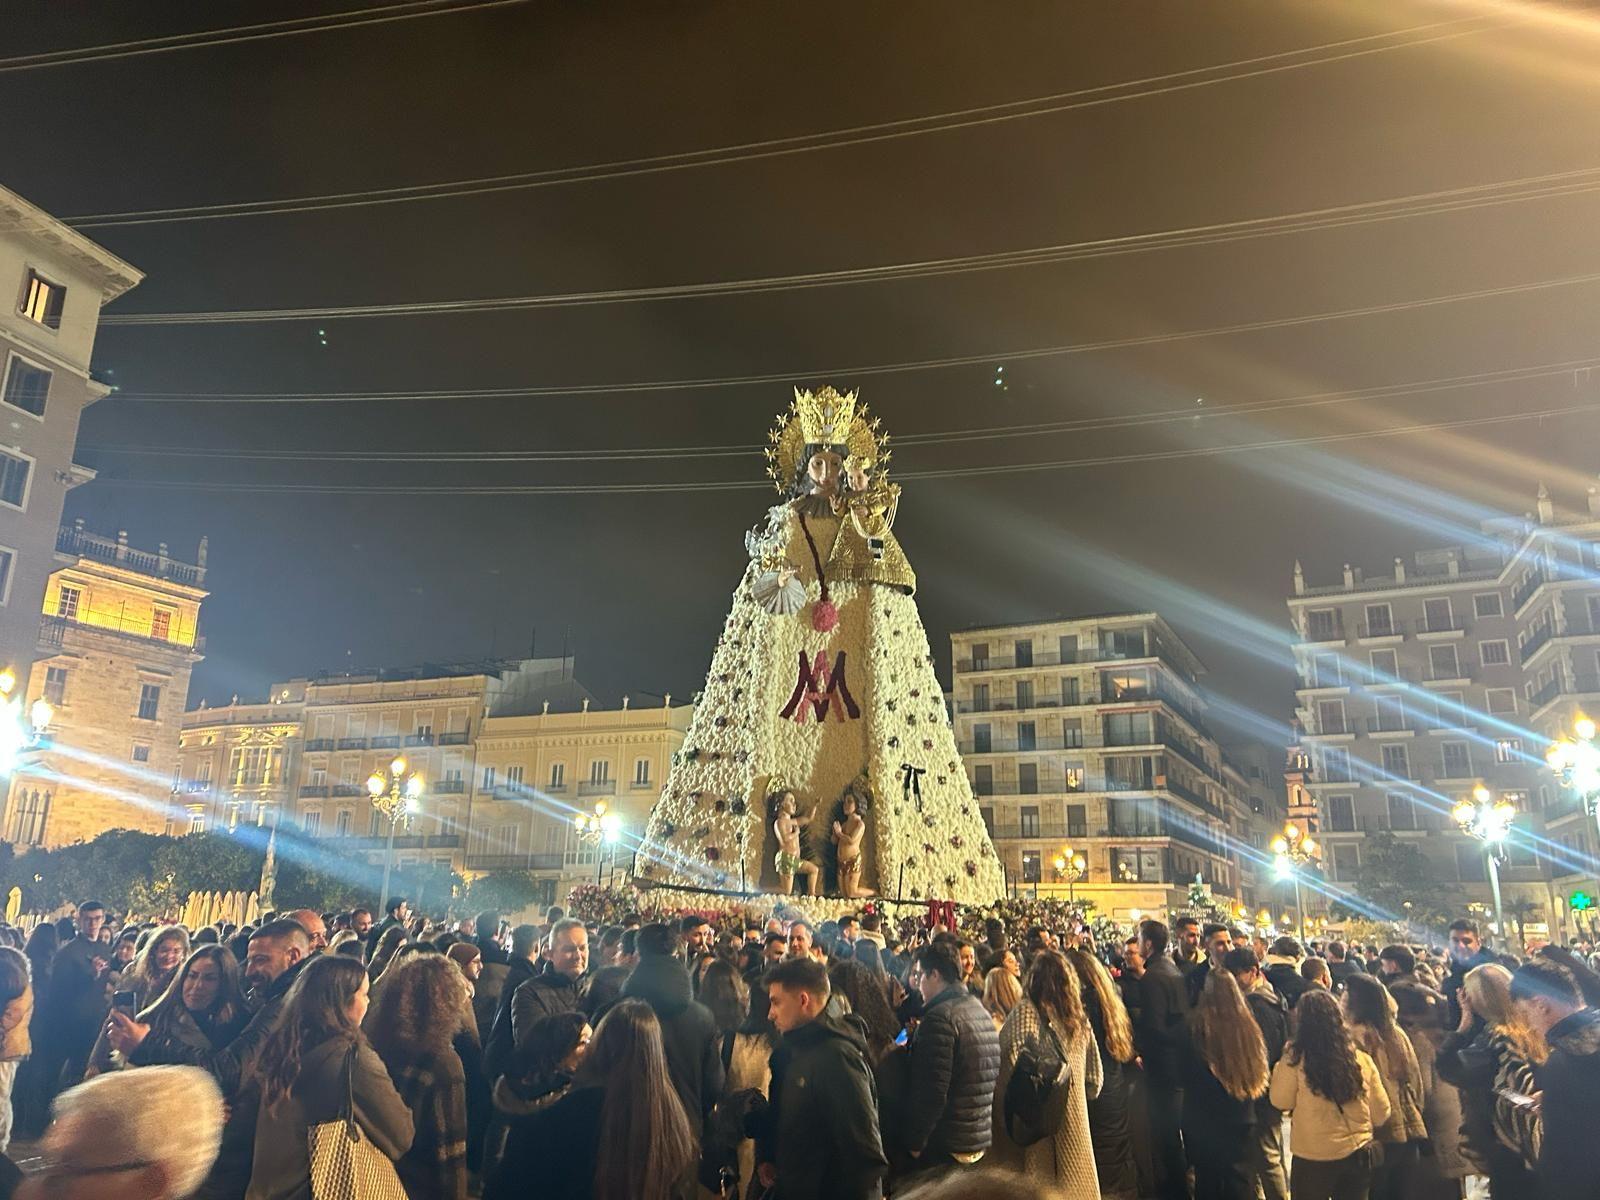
345,1165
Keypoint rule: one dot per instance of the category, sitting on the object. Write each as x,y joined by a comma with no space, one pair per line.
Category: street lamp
1488,820
19,733
398,796
1071,867
1576,762
1294,850
600,826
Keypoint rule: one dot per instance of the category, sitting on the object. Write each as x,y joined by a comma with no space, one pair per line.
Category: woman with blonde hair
1109,1129
1490,1053
1370,1011
1001,991
1223,1062
1050,1018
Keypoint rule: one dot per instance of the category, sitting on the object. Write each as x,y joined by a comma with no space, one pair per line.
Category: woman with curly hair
1370,1011
313,1062
148,978
412,1026
1050,1017
1332,1093
1109,1129
1494,1049
1223,1059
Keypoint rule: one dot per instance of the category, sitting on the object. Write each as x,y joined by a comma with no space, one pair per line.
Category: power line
349,19
742,485
925,364
855,135
946,437
1538,187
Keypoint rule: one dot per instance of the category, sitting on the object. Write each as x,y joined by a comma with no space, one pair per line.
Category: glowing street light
398,796
1293,849
602,827
1071,867
1489,820
19,733
1576,762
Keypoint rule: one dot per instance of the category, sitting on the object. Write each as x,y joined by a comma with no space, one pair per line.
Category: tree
1393,873
507,892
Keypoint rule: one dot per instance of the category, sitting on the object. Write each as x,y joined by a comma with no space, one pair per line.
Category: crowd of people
728,1057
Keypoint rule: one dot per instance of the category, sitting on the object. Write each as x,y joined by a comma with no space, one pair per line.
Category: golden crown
823,418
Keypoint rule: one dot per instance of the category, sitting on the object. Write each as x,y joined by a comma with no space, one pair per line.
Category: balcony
319,744
53,632
419,739
513,862
1186,793
193,787
347,790
1373,631
1537,642
1524,591
1015,745
313,791
1438,629
1316,632
1547,693
458,738
1193,757
77,541
598,787
386,741
1394,723
352,743
449,787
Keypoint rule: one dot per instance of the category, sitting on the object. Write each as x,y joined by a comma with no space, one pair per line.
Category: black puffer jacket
688,1033
955,1061
821,1129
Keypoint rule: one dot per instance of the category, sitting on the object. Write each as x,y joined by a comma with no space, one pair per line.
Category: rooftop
78,542
29,220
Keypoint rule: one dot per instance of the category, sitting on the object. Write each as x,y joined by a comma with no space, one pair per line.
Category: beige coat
1065,1160
1320,1129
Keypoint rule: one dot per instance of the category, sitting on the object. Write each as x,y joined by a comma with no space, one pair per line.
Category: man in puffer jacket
955,1061
688,1031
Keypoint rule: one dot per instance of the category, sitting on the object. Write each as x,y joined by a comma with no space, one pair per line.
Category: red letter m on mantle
821,689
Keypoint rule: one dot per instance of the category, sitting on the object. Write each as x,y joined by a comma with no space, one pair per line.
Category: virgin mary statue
820,747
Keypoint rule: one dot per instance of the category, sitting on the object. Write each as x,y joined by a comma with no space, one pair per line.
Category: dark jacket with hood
688,1034
1286,980
1570,1079
821,1129
1272,1016
955,1062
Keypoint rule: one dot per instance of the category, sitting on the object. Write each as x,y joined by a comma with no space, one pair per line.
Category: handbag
345,1165
1036,1093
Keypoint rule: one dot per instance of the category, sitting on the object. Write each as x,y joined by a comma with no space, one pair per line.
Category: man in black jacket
688,1030
1283,970
955,1062
1466,952
520,969
558,990
819,1138
1547,997
1340,967
1216,941
1272,1016
1163,1011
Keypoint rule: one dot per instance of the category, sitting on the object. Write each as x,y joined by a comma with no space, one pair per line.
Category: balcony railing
997,745
602,787
319,743
1454,625
1381,629
345,790
1537,642
353,743
1547,693
513,862
76,540
419,739
450,787
1389,724
1525,589
458,738
386,741
313,791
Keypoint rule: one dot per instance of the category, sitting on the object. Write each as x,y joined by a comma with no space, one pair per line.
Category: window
1322,625
1472,862
1069,689
1396,761
341,823
1501,700
1127,729
1028,778
1130,774
1342,814
1346,863
1077,820
149,701
68,600
1136,866
641,772
983,780
1496,653
202,771
1336,765
600,770
1029,818
15,469
318,777
1401,813
1486,604
987,815
26,387
313,823
1024,694
1457,760
1030,866
1391,714
1436,616
1451,709
161,624
1327,671
42,300
1027,737
980,697
1024,651
1380,621
488,779
982,739
558,776
1072,777
514,776
141,752
980,656
1067,647
349,769
1071,734
424,726
1442,663
1330,716
55,686
258,766
1385,666
1594,613
1122,643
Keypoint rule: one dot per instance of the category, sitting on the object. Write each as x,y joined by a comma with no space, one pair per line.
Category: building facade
1457,668
239,763
1088,736
53,282
116,644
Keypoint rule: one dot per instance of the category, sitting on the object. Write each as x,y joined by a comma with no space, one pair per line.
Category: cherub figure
786,825
847,835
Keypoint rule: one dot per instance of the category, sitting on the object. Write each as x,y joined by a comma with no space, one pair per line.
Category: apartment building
116,643
55,282
1088,734
239,763
1456,668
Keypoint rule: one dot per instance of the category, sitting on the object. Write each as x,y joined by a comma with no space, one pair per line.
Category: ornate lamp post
1294,850
1489,820
1071,867
1576,762
19,732
599,828
397,795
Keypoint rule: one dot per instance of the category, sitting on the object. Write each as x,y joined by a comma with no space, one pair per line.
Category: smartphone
124,1002
1517,1098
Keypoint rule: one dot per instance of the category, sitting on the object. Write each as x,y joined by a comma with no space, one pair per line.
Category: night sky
638,584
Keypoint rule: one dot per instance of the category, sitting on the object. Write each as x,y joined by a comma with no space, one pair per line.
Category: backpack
1037,1089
